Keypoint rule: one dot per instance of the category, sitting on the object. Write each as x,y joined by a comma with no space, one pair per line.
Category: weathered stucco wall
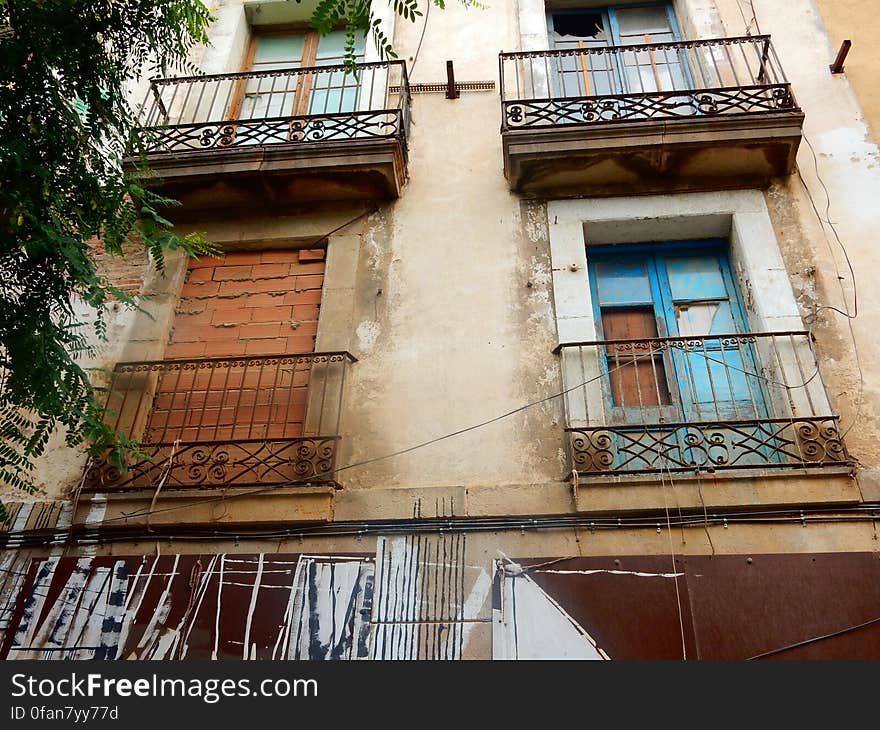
445,295
858,21
837,163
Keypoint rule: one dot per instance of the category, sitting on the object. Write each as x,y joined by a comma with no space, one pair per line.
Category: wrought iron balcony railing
737,401
220,422
281,106
661,81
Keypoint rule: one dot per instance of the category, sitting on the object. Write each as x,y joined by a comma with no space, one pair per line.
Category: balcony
247,140
655,117
718,402
205,423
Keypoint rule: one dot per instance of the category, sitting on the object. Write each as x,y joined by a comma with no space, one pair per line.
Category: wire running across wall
382,457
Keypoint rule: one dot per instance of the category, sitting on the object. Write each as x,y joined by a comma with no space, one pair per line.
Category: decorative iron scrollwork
660,105
659,447
258,132
280,462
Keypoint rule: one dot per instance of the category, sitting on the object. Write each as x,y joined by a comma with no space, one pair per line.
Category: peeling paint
367,334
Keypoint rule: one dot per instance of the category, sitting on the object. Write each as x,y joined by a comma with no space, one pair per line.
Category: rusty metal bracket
837,66
451,89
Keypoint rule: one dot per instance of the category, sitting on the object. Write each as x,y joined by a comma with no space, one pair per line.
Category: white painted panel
534,626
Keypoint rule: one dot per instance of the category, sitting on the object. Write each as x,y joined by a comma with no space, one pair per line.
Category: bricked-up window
245,303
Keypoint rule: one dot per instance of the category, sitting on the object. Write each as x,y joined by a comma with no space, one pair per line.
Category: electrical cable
347,223
412,68
469,428
665,463
746,23
867,512
850,316
814,639
415,447
827,219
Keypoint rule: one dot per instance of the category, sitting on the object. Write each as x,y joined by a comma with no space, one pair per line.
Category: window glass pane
331,48
704,318
635,23
568,28
695,277
623,282
279,49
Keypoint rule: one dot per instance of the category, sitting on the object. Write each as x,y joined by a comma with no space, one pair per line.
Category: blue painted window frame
609,15
654,256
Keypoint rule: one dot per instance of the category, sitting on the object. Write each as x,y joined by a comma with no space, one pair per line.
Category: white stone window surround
739,216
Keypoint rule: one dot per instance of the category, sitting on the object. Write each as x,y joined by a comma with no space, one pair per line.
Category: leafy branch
65,70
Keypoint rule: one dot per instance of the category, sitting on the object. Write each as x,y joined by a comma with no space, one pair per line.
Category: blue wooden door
717,376
686,298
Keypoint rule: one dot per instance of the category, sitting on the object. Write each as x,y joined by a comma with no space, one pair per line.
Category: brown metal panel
629,616
732,606
748,605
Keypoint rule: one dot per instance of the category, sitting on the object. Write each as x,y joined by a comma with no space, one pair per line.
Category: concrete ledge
698,153
789,488
258,177
205,507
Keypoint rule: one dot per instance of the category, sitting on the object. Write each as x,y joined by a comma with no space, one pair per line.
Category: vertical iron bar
732,65
783,378
722,349
748,377
211,368
719,79
170,107
750,76
327,90
711,379
121,410
198,106
211,113
764,59
184,106
269,113
653,359
271,405
635,364
228,111
222,402
690,373
806,388
779,76
547,76
257,390
698,64
338,432
618,369
323,397
241,389
174,393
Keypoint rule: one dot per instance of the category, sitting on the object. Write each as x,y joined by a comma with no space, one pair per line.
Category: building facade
563,349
